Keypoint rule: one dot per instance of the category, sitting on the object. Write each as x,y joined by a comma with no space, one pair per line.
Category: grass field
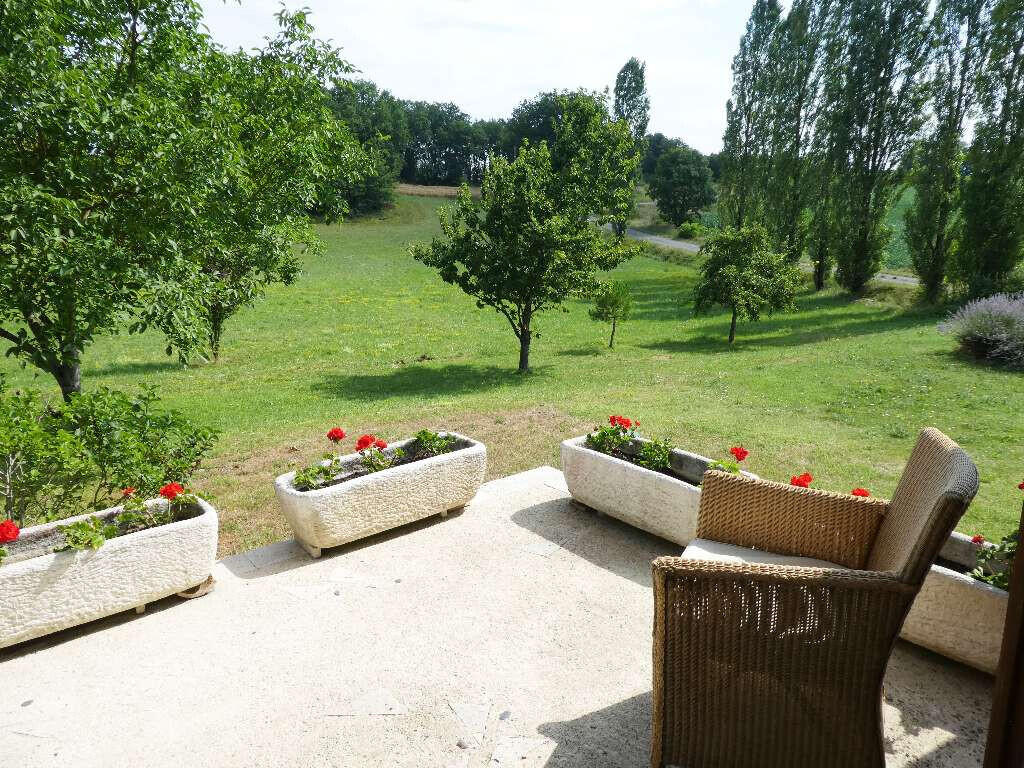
370,340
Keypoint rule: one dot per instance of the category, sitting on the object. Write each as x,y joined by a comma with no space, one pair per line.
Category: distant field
422,190
371,340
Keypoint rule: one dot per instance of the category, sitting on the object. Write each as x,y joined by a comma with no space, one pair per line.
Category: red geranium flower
620,421
336,435
129,491
977,539
1021,486
171,491
802,481
739,452
364,442
9,531
380,444
861,492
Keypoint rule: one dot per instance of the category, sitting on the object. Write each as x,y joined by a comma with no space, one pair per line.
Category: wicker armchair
773,630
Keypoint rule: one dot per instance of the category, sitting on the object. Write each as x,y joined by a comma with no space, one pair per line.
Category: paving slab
515,633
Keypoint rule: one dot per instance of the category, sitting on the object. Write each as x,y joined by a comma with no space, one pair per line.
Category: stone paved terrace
516,633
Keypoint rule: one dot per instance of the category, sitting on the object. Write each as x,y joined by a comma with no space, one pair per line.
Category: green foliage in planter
609,439
654,454
432,444
375,460
89,533
59,460
725,466
995,564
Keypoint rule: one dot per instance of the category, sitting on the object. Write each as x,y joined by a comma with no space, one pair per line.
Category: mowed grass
370,340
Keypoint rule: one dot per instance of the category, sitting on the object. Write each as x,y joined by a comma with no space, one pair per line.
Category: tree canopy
139,173
681,184
529,244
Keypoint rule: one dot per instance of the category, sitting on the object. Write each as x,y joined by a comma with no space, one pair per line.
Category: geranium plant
372,457
617,437
995,563
739,455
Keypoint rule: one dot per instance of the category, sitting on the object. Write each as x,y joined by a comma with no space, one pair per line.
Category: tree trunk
216,329
524,352
611,341
68,374
732,327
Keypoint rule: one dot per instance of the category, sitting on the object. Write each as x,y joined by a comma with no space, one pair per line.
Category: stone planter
955,614
363,506
653,501
54,591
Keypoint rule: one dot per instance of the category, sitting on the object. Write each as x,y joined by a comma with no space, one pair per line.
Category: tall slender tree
631,102
877,116
745,144
795,74
959,40
992,244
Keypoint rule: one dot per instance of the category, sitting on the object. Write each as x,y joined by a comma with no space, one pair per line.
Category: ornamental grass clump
991,329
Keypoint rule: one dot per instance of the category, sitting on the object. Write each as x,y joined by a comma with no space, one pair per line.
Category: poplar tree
878,114
745,143
795,80
993,196
959,40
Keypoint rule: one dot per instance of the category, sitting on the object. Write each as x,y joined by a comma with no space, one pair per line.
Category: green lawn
370,340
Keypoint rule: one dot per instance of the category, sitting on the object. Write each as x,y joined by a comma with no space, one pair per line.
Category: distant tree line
837,106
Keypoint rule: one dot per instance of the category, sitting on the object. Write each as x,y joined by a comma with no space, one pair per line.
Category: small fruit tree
529,243
743,274
612,304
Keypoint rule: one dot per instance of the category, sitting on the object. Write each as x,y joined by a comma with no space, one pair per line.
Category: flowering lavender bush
991,328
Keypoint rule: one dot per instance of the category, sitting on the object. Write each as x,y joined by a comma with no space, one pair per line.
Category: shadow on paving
603,541
430,381
613,737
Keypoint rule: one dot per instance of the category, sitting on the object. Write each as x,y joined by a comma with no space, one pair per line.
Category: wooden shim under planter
55,591
368,504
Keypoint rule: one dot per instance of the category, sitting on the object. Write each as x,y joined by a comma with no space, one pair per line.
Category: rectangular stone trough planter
658,503
360,507
55,591
956,615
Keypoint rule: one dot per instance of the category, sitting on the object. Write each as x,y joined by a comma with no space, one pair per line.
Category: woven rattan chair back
938,483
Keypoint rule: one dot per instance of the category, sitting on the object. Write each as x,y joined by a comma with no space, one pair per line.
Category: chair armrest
775,517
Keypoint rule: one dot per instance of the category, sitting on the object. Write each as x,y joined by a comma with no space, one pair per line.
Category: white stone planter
363,506
956,615
55,591
653,501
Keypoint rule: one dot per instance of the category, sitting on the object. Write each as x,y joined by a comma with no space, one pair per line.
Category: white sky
487,56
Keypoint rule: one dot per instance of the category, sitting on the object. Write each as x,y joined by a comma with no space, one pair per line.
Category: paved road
691,247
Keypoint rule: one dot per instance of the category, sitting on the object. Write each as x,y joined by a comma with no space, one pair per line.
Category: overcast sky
487,56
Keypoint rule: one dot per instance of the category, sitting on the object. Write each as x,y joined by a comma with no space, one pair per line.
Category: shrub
991,329
689,230
57,461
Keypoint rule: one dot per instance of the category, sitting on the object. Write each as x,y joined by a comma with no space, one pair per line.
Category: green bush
689,230
65,459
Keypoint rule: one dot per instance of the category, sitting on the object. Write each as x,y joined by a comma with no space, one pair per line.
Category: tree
992,244
440,148
794,74
612,304
877,113
529,244
655,145
631,102
289,146
378,120
745,144
119,151
742,273
681,184
959,33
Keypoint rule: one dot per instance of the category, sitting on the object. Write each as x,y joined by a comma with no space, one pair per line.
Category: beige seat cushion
706,549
